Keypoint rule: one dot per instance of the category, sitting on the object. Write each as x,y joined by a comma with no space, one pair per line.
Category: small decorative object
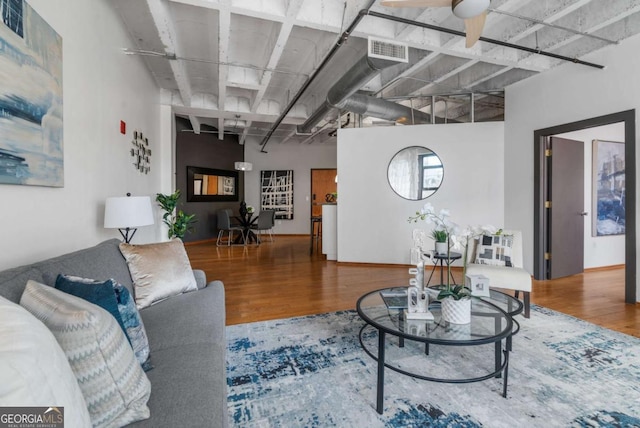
478,284
179,223
243,209
417,296
331,198
250,209
417,305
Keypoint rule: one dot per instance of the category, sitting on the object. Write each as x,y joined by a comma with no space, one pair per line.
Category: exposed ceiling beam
164,25
276,53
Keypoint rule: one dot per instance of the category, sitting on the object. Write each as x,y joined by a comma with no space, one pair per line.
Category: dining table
246,221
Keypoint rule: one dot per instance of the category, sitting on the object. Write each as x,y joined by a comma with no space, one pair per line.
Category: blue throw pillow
98,293
133,323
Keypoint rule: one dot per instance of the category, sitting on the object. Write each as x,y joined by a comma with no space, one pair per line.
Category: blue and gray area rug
311,372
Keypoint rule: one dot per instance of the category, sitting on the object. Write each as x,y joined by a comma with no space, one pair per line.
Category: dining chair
266,222
224,225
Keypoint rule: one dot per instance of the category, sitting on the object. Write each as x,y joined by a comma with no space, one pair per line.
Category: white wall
372,219
566,94
301,158
598,250
101,86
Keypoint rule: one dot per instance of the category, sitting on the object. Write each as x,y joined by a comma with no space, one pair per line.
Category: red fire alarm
123,127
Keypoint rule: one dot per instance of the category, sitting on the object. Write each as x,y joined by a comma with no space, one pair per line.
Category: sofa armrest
201,278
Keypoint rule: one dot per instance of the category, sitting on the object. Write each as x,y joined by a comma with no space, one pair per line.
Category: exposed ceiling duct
342,95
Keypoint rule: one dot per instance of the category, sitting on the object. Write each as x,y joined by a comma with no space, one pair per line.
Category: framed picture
276,193
608,190
31,102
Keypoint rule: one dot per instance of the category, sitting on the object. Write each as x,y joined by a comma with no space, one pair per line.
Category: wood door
323,181
566,213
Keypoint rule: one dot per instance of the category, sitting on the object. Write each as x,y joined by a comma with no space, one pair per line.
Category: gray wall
205,150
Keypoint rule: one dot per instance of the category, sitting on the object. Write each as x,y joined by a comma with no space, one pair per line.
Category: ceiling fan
474,13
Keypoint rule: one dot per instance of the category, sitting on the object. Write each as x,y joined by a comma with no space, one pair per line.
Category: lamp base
125,234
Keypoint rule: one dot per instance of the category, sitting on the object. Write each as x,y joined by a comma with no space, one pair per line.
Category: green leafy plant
439,235
178,222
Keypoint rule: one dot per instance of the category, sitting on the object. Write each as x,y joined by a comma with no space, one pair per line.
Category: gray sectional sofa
186,336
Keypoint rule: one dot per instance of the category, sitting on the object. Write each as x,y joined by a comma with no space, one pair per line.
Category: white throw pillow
114,386
33,368
158,271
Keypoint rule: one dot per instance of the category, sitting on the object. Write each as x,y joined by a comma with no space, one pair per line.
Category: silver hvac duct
383,109
342,95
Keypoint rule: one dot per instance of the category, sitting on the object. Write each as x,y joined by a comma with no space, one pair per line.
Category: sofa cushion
114,386
191,324
494,250
33,368
99,293
158,271
99,262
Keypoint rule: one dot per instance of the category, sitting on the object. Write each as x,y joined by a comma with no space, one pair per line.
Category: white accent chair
511,278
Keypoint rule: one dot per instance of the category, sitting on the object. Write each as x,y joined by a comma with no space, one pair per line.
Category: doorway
324,185
542,232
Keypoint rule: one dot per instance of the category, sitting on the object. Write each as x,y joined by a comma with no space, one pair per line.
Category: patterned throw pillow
33,368
158,271
114,386
494,250
127,314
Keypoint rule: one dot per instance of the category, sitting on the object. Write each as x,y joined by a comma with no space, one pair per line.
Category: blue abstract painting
608,188
31,143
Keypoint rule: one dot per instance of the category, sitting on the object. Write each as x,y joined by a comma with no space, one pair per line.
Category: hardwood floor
280,279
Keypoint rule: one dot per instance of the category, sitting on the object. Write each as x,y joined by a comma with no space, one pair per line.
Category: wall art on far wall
31,149
608,188
276,193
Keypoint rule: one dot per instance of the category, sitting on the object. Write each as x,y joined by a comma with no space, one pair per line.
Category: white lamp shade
466,9
244,166
127,211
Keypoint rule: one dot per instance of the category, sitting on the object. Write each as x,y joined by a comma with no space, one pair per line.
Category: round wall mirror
415,173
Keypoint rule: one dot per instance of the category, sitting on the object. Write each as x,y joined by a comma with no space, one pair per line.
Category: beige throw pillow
158,271
114,386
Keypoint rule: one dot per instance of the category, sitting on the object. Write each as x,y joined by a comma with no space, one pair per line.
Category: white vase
456,311
441,248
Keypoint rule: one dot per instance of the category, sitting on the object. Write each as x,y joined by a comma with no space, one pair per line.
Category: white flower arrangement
458,239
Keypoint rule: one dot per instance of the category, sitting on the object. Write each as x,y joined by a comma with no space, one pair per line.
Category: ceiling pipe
483,39
341,40
340,93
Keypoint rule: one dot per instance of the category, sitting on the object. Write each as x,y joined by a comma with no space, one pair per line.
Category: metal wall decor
141,152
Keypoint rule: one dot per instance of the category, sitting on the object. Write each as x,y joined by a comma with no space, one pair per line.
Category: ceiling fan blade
416,3
473,27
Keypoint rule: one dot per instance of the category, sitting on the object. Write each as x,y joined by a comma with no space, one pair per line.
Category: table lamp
127,213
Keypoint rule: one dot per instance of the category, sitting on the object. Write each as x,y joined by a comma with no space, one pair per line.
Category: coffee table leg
506,373
380,398
498,356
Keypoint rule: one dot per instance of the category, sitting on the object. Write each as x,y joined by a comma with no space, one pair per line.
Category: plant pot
456,311
441,248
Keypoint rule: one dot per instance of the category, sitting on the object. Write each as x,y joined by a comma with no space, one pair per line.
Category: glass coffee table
491,323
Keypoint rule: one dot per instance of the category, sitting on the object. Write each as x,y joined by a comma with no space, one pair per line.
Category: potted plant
178,222
441,237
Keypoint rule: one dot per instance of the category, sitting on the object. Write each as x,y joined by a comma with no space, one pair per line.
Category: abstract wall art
608,188
276,193
31,143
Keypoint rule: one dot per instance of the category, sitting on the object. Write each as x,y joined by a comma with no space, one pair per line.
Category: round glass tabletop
489,321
